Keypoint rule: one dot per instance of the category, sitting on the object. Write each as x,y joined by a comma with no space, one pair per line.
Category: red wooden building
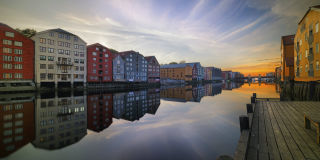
99,64
16,58
153,69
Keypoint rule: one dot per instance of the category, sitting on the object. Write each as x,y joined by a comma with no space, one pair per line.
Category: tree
182,62
27,32
113,51
173,63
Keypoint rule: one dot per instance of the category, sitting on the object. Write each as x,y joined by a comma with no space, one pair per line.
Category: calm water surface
199,122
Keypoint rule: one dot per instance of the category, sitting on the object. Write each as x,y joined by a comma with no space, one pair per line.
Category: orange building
287,57
306,43
176,72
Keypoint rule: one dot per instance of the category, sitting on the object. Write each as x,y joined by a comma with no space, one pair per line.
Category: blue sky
242,35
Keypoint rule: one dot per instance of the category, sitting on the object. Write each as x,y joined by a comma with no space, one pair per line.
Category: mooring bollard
249,108
244,122
253,100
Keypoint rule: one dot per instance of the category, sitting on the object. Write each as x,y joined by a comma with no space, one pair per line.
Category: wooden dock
277,131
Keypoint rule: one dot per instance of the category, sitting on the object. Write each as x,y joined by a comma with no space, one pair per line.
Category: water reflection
55,120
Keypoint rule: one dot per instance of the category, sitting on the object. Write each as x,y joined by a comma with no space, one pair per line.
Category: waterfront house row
189,72
300,55
58,58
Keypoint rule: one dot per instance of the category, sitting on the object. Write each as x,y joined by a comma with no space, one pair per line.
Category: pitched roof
59,30
310,8
174,65
288,40
97,44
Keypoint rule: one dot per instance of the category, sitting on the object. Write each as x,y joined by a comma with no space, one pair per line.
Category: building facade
99,64
118,68
306,44
135,66
153,69
199,73
176,72
60,59
16,60
208,74
287,57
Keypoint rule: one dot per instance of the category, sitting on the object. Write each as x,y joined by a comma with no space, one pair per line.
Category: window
60,43
306,69
67,45
317,48
18,130
7,75
7,117
18,66
67,37
18,123
7,125
306,53
94,58
18,59
18,75
42,57
81,54
51,34
60,51
94,53
75,53
7,58
61,35
50,58
66,52
43,66
42,49
43,40
7,42
9,34
82,61
76,46
106,55
81,47
317,65
7,50
75,39
17,43
81,68
17,51
51,42
51,50
317,27
6,66
42,76
76,60
50,66
50,76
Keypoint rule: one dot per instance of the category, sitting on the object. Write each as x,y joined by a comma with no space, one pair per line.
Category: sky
237,35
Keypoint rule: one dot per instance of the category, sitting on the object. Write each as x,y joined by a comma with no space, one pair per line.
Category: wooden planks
277,131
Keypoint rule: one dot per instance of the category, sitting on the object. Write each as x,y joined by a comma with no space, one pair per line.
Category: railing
310,56
310,39
64,63
311,71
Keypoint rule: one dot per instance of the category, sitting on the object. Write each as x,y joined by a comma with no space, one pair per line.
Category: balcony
64,63
310,56
298,61
310,39
311,71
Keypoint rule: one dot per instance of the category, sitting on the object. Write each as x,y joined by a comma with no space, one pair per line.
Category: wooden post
244,122
253,100
249,108
307,122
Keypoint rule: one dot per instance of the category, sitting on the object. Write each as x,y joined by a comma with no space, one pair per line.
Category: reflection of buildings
179,94
60,121
132,106
191,93
99,111
230,86
16,122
